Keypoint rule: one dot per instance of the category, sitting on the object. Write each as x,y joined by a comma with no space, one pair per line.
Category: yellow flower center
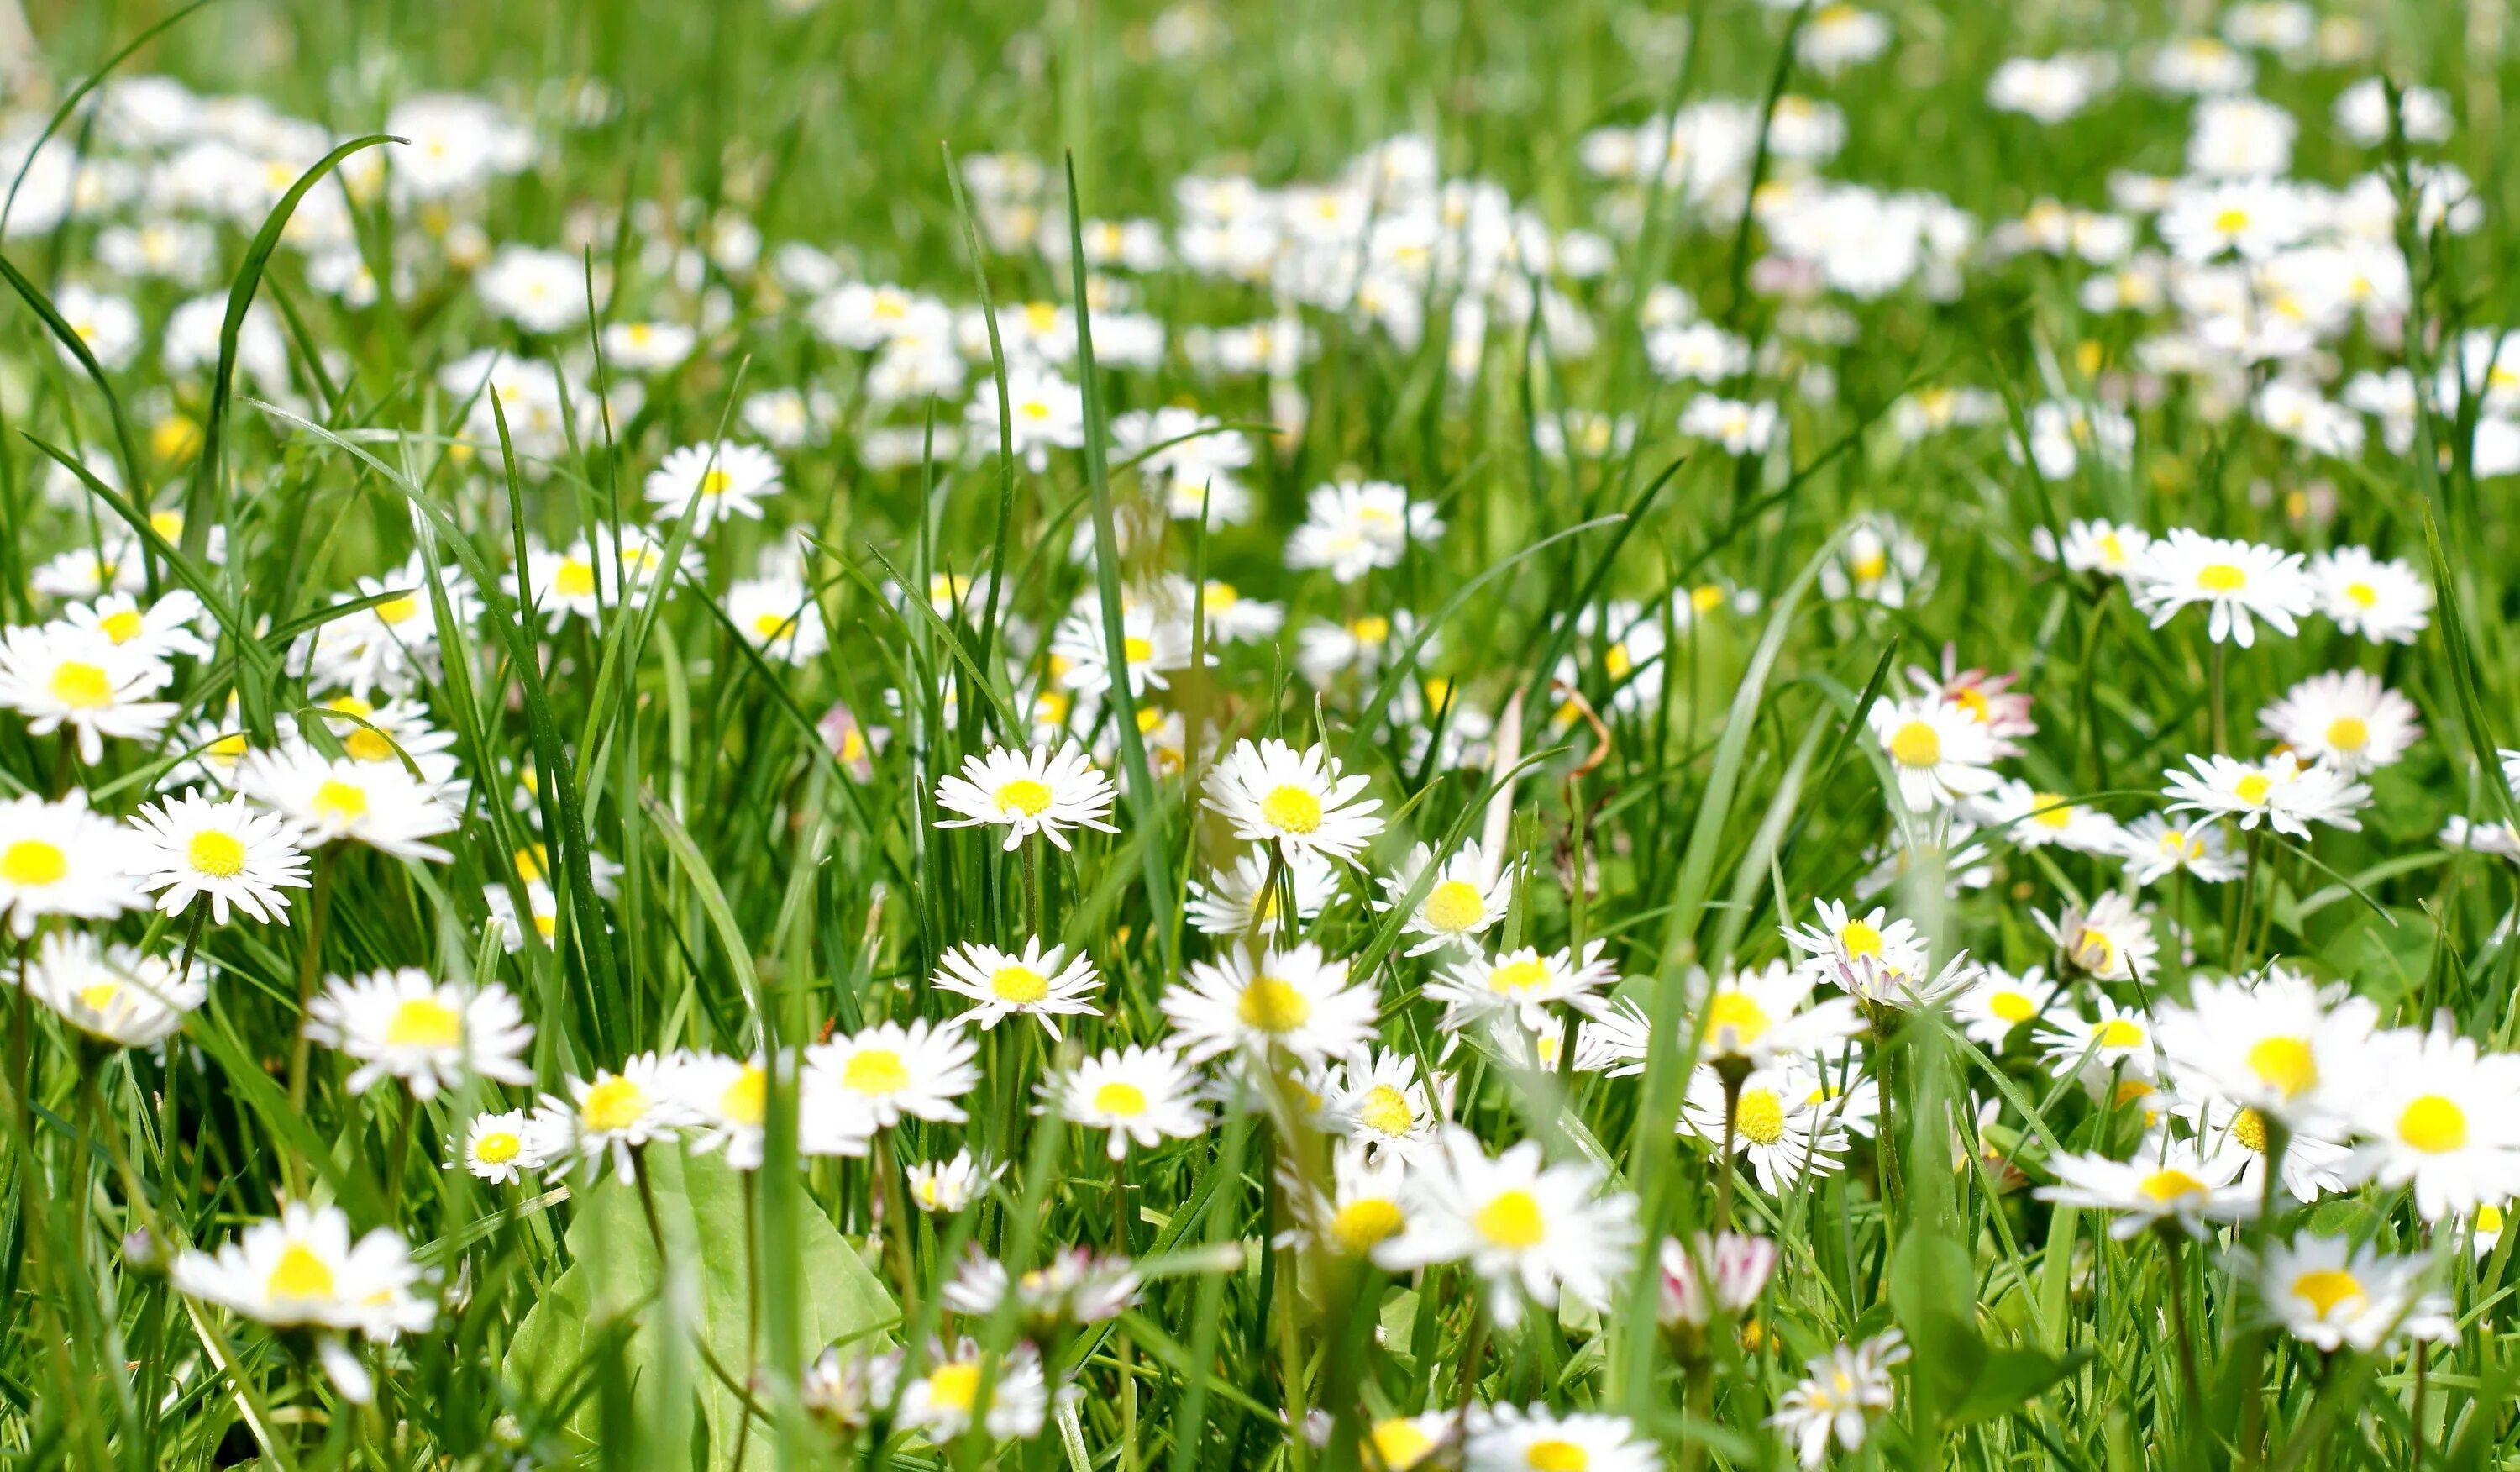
574,579
1517,976
876,1071
81,686
612,1104
2349,733
2363,594
1400,1442
31,861
424,1021
2221,578
498,1147
771,626
1360,1225
1018,986
1705,598
1759,1117
1137,651
2118,1032
747,1100
366,745
2253,788
339,801
1861,938
96,996
1867,566
1385,1110
1555,1456
1454,905
2169,1185
2249,1127
2011,1006
229,748
1616,661
1512,1218
2488,1219
2325,1288
1271,1006
216,854
1122,1100
1292,809
2052,809
716,484
2095,950
2231,221
399,610
1025,796
124,625
2433,1125
1735,1014
955,1387
1917,744
2284,1064
299,1274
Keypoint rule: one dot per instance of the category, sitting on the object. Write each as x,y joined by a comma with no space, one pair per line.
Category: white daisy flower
718,480
886,1071
497,1148
1528,1230
1353,527
2280,792
2435,1114
2274,1045
1271,793
2156,846
112,993
1470,893
302,1270
2170,1182
1142,1095
407,1025
1757,1016
2096,546
2385,602
59,859
58,676
2034,819
2332,1293
2345,718
2111,937
2234,580
1784,1122
778,615
230,855
1999,1001
1297,1001
1234,899
1034,984
1502,1439
1523,982
2119,1043
327,800
1939,753
160,631
1040,791
948,1185
943,1402
1842,940
1380,1101
1842,1394
608,1116
1364,1211
728,1101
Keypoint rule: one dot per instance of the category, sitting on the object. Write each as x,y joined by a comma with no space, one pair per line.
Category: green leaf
700,1210
2009,1380
1933,1289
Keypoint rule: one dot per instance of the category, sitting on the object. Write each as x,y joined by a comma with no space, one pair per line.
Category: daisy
1046,412
59,859
1734,1265
728,1101
1151,644
1236,900
2385,602
495,1147
2096,546
2346,720
112,993
778,615
2034,819
1758,1016
539,899
1879,562
2434,1113
1142,1095
1502,1439
233,856
160,631
2332,1293
302,1270
1380,1101
1842,1394
397,731
1989,699
2170,1182
1040,791
1527,1229
1783,1123
2279,791
943,1401
1843,940
610,1116
1046,986
2276,1045
1938,753
2111,939
1353,527
1999,1001
2118,1043
406,1025
948,1185
58,676
1465,896
325,799
715,482
2156,848
1271,793
392,644
2234,580
1523,982
1297,1001
1366,1211
886,1071
2313,1166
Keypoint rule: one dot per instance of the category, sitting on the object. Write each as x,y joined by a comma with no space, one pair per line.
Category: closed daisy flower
224,851
1143,1096
2234,580
112,993
1043,985
2346,720
886,1071
1466,894
2111,937
1938,752
327,800
62,677
1528,1230
301,1271
432,1034
496,1146
607,1117
1297,1000
1027,793
715,480
59,859
1271,793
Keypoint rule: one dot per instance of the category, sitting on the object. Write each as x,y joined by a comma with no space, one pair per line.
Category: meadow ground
1129,738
